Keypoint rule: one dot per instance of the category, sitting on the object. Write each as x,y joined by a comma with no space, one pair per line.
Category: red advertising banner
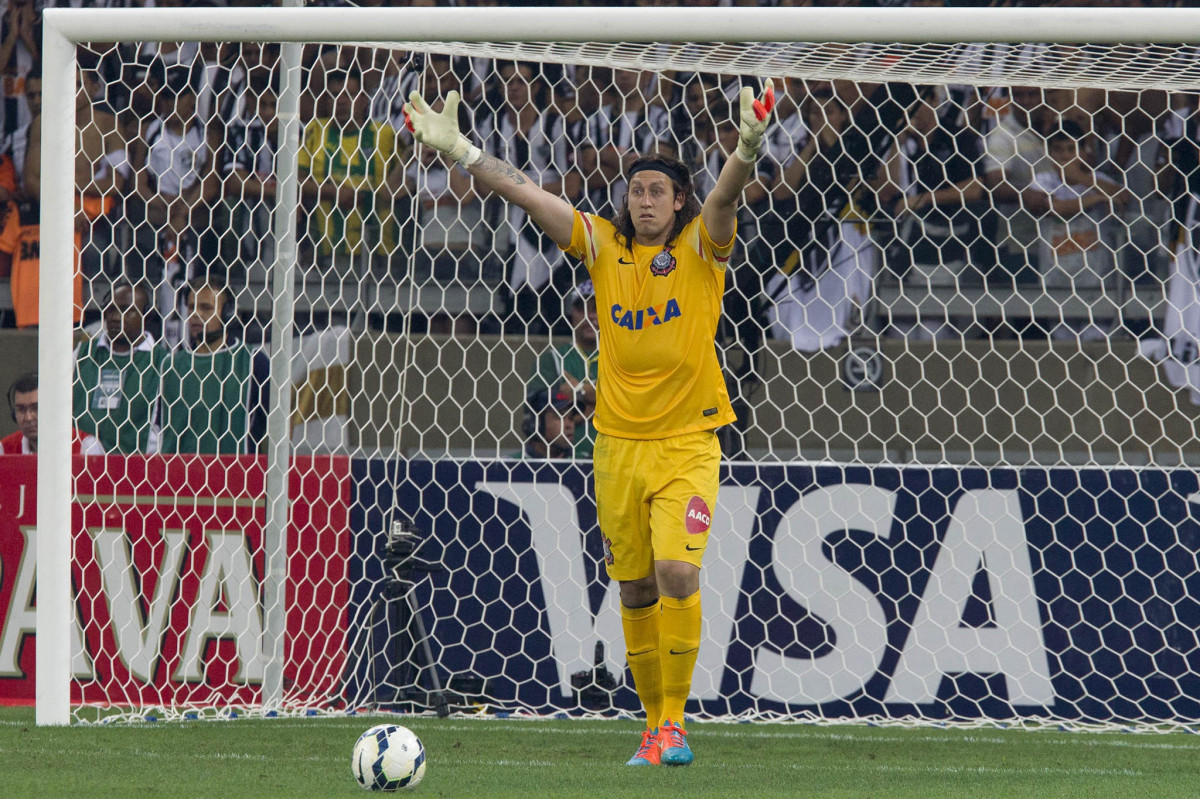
167,572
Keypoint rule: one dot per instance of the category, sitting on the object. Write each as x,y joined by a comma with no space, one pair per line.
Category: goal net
344,399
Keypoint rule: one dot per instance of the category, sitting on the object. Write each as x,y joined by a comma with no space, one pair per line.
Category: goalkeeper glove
439,131
756,114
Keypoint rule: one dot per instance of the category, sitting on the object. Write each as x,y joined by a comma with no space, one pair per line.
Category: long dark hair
623,221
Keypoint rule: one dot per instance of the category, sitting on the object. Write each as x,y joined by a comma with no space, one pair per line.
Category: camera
594,688
400,550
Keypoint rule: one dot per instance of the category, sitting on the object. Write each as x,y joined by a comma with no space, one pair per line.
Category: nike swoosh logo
629,654
691,548
684,652
623,261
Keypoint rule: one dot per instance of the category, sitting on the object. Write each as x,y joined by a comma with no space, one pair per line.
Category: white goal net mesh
960,333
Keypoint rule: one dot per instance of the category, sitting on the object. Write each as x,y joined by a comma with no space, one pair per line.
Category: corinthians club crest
663,263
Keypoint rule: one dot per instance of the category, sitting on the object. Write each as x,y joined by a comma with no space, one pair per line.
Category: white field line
739,731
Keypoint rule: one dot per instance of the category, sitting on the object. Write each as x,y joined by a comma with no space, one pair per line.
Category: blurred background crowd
1062,194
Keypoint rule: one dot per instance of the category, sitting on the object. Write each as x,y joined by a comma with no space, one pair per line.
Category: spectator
781,147
27,163
10,187
786,139
23,403
246,163
20,232
98,166
242,72
1014,150
350,172
117,376
527,133
369,64
936,168
20,250
102,172
693,133
637,124
148,66
20,53
177,184
1077,238
114,67
586,131
816,293
214,388
1147,216
572,369
400,74
550,425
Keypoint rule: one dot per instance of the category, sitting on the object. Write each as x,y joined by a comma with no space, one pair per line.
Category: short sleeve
584,245
720,253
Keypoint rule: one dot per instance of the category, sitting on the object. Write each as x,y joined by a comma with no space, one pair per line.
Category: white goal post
634,28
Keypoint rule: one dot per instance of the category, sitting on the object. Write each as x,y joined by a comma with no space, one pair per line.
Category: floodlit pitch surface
519,758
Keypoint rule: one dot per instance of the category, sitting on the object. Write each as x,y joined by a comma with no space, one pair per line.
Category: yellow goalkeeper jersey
659,375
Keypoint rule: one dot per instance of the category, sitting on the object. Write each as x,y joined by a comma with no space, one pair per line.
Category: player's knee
639,593
677,579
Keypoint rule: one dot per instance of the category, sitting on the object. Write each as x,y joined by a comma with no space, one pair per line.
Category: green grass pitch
481,759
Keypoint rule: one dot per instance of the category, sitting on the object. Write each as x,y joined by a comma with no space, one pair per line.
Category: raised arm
720,207
552,214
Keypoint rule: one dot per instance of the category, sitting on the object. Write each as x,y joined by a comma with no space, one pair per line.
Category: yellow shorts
655,499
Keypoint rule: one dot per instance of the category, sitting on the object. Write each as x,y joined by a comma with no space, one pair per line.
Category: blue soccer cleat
647,753
672,741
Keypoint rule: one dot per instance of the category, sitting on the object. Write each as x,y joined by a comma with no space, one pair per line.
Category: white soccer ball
388,757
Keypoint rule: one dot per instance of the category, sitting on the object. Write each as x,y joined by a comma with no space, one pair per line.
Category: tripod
405,625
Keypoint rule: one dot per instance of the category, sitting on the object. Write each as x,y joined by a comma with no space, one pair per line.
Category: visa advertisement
829,591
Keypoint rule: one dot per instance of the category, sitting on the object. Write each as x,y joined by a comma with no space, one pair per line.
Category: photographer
549,425
572,368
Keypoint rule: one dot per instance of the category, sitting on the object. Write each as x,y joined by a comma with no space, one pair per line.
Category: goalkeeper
659,273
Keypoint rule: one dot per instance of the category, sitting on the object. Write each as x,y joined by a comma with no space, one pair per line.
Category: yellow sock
680,639
641,651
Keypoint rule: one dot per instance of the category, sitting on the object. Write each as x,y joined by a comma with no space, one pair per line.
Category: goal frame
64,29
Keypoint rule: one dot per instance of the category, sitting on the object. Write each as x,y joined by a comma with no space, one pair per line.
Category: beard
206,337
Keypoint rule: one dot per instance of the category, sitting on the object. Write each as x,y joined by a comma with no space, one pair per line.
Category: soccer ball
388,757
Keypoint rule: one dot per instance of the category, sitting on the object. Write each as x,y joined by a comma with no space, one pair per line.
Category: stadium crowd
1061,193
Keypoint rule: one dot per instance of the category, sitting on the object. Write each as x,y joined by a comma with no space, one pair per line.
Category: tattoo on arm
490,163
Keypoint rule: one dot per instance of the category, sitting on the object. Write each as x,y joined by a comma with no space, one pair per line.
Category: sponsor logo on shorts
608,555
698,518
